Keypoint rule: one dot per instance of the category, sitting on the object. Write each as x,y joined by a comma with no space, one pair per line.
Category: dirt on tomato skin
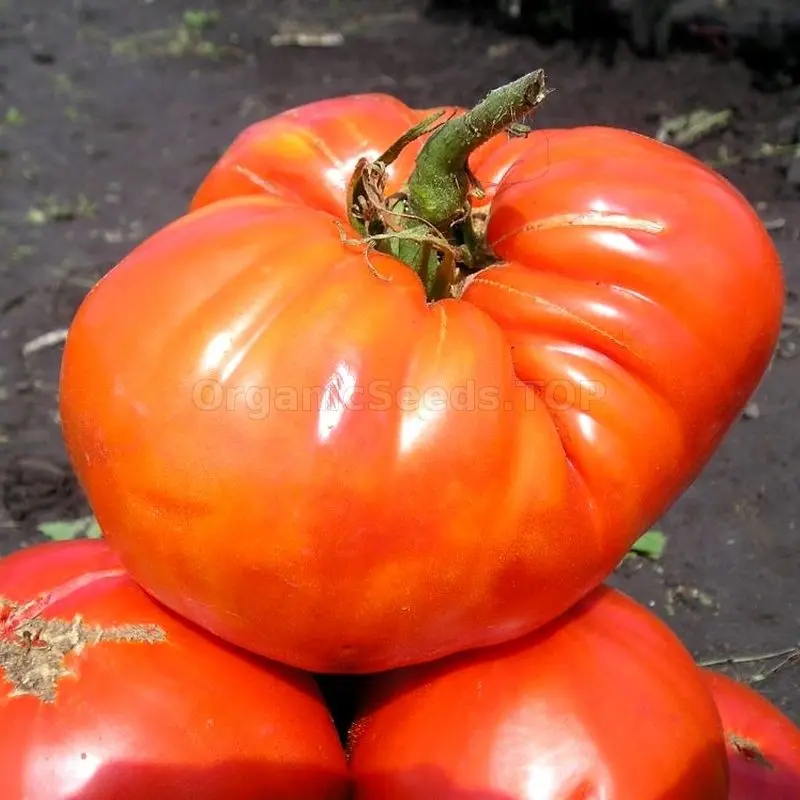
33,648
111,113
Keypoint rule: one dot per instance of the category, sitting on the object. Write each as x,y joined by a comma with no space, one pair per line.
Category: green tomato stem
441,181
430,226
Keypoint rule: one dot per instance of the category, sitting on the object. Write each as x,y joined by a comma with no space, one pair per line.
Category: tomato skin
586,382
188,717
763,744
307,155
603,702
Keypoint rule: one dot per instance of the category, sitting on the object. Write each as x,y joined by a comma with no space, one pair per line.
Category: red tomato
763,744
287,444
603,703
109,695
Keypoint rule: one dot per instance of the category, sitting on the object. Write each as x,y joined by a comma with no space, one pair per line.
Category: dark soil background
111,112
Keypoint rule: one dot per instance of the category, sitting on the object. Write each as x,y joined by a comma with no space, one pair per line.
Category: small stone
751,411
794,172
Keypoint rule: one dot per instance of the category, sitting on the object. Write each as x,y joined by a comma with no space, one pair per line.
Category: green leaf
67,529
650,545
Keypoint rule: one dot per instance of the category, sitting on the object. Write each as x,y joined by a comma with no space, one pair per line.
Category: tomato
106,694
288,441
603,703
763,744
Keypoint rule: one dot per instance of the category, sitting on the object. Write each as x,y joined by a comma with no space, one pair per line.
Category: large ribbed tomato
605,702
105,695
289,444
763,744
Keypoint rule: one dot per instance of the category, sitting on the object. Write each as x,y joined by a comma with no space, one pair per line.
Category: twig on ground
49,339
731,660
307,39
788,656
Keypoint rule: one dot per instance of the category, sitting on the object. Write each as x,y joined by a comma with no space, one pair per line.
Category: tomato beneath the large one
106,694
763,744
354,456
603,703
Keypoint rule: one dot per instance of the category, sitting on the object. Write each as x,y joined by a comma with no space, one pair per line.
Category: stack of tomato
392,401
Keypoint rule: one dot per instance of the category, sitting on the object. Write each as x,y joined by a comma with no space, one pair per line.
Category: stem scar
33,649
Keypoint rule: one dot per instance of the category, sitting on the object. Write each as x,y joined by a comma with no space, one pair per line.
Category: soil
110,114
